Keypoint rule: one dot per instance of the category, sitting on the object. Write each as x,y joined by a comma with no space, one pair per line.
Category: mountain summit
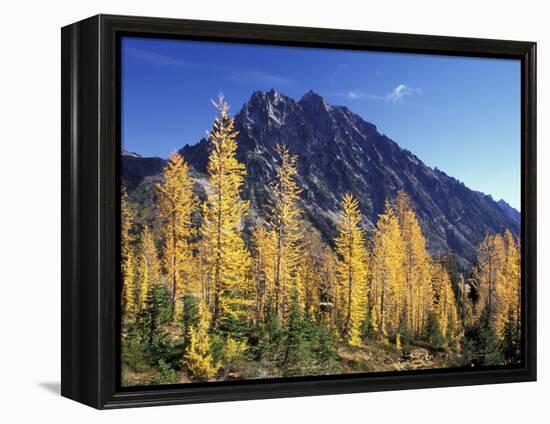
340,152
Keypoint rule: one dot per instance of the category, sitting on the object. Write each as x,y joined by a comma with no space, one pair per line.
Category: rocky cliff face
339,152
136,168
512,213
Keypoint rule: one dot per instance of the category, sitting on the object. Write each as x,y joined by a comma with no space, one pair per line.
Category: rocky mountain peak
261,99
338,152
266,108
315,101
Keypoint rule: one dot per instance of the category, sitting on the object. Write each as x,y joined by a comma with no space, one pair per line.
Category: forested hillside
206,297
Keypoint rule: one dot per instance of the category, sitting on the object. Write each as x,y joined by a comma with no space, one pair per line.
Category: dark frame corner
90,193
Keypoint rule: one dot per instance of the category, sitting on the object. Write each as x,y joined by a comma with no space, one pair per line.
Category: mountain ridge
509,210
338,151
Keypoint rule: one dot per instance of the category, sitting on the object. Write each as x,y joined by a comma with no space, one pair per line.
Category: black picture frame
90,138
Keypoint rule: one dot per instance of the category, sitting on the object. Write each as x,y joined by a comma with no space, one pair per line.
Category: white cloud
397,95
402,90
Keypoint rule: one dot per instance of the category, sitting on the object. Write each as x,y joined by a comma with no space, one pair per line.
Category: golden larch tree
176,203
285,224
229,263
310,274
444,304
198,359
512,279
202,267
142,279
496,278
388,283
488,278
148,268
263,259
127,216
351,269
416,264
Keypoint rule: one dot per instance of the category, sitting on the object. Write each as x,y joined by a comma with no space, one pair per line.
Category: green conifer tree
296,353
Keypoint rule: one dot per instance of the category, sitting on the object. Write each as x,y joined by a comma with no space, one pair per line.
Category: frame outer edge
80,314
530,191
89,137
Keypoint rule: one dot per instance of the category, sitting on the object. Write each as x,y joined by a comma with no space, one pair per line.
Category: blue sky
461,115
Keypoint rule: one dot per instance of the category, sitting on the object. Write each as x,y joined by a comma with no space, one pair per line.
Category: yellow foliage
416,264
233,349
127,258
263,244
202,270
309,275
351,269
388,282
488,271
511,292
148,267
142,274
198,358
176,203
444,304
228,263
328,288
148,249
496,278
284,220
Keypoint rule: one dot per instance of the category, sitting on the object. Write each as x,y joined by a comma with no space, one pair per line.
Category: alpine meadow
296,239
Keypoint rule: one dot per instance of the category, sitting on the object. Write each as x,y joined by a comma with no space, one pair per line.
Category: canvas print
291,211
